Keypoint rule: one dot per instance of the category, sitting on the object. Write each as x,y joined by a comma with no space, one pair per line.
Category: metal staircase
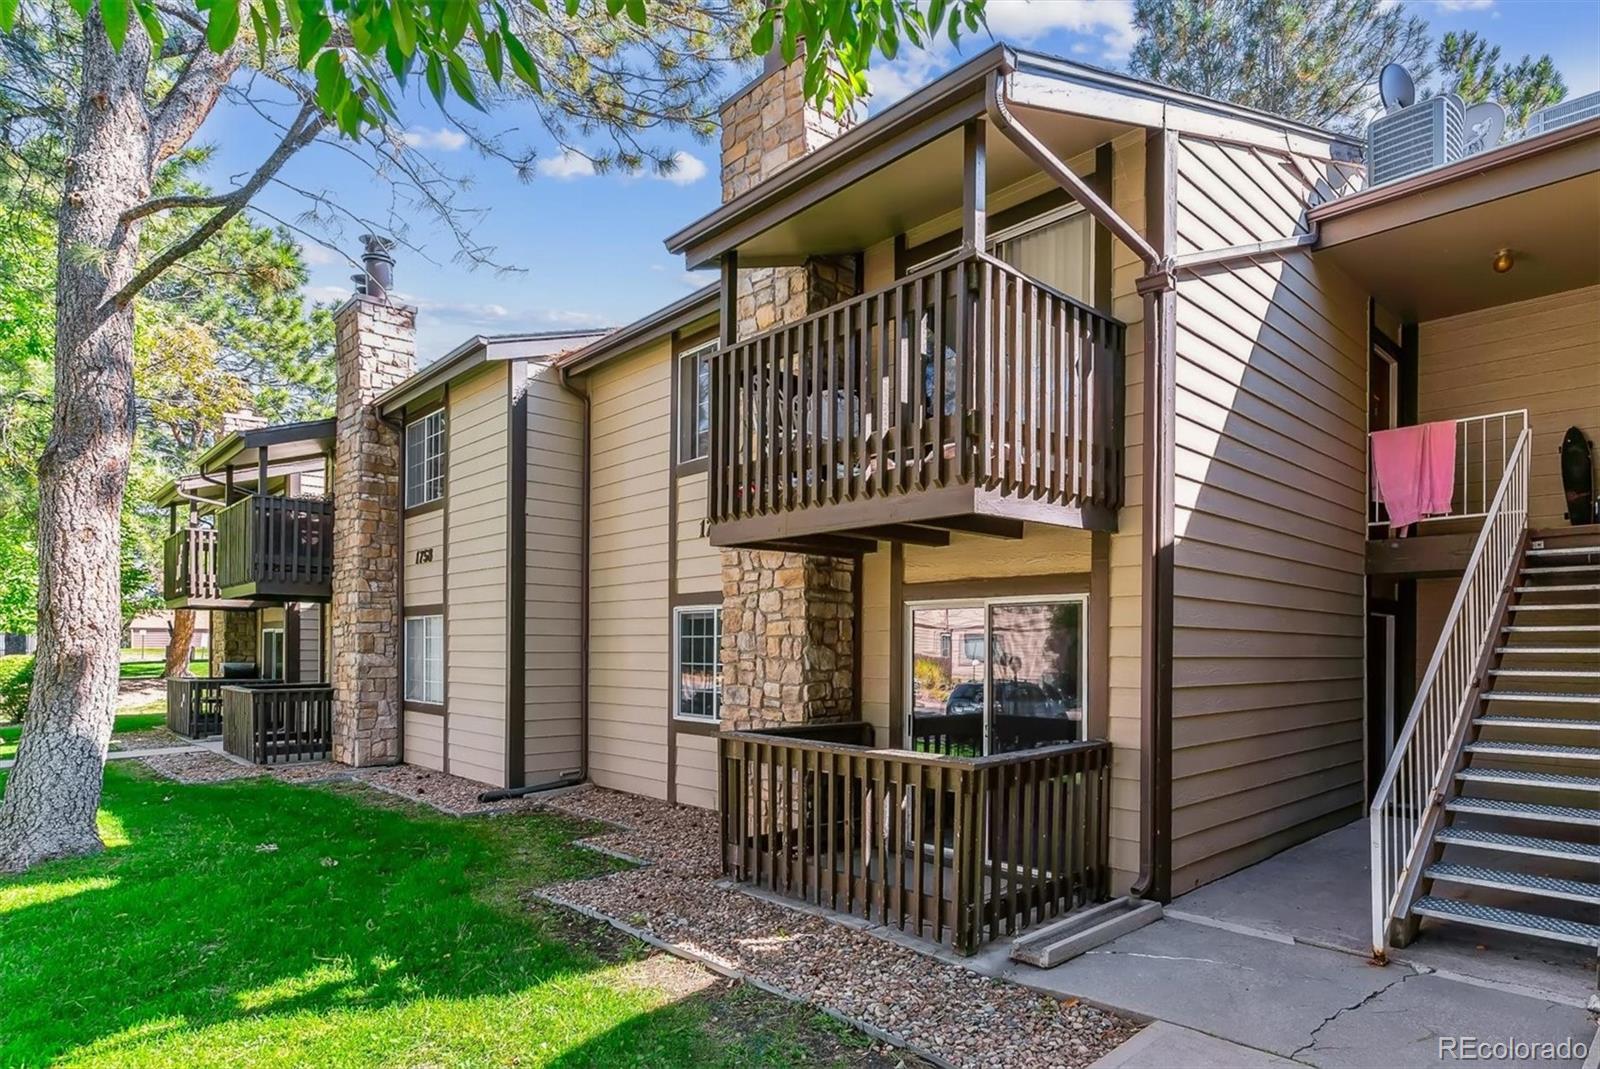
1517,846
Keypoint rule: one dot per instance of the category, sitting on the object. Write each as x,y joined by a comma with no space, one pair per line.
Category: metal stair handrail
1406,808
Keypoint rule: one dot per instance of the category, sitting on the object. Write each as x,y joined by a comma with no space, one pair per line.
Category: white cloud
567,317
1465,5
319,255
1025,20
569,164
442,139
687,169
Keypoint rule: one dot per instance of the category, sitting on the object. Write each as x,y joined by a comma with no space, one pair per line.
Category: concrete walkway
1271,967
150,751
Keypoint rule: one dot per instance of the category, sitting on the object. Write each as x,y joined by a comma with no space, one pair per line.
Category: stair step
1548,673
1563,551
1592,606
1516,777
1555,650
1549,723
1509,920
1551,849
1555,814
1526,882
1553,569
1539,696
1558,588
1534,749
1548,628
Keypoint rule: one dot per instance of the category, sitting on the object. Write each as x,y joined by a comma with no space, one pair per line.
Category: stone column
375,344
234,637
788,627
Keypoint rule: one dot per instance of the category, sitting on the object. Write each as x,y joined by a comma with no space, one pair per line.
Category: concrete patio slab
1317,1006
1318,893
1169,1046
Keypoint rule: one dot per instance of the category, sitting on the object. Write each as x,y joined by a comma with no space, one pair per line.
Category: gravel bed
446,793
942,1009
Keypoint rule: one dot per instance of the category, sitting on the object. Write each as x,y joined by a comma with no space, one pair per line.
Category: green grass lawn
253,923
152,669
134,722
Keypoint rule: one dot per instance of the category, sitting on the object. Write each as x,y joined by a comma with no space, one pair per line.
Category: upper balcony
276,548
965,396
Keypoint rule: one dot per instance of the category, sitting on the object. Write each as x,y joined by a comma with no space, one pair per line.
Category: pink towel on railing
1415,468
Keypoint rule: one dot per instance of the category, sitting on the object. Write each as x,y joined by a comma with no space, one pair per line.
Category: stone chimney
375,348
788,630
242,420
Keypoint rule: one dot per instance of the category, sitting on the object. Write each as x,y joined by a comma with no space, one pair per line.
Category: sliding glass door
995,675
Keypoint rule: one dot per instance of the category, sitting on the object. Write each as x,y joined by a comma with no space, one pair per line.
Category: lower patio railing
269,723
194,706
958,850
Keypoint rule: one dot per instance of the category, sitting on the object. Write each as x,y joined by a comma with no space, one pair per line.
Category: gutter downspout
1158,287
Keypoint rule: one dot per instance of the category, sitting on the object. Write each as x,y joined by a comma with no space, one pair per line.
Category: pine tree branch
193,94
307,125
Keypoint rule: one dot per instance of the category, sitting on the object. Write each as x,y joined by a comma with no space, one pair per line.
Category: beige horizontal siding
697,770
1043,550
1270,457
477,469
310,652
424,582
699,568
1542,355
630,402
424,740
553,694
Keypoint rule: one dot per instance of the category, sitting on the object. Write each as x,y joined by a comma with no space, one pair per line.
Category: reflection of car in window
965,698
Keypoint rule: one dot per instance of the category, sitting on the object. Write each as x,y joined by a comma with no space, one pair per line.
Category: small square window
425,659
425,459
697,652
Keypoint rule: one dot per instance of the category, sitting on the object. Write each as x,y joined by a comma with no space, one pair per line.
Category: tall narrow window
425,659
1018,682
425,459
272,653
695,402
697,657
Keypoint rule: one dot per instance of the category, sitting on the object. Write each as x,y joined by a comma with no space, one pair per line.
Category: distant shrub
16,680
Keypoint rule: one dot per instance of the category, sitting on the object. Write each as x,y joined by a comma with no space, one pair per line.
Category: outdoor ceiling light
1503,261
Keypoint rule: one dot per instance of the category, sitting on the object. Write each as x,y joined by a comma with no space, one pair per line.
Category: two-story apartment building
999,532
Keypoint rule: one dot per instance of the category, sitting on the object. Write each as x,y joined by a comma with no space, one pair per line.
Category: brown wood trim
291,641
1000,587
1102,183
675,443
436,505
423,609
517,578
444,583
1098,724
897,643
681,346
423,707
858,594
682,725
1155,752
702,600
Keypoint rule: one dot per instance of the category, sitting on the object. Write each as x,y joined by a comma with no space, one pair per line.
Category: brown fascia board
703,239
663,321
1483,162
480,349
237,442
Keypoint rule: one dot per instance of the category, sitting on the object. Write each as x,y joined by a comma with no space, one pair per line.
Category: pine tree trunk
54,790
178,644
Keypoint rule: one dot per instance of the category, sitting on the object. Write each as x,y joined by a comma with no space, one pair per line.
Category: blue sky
589,247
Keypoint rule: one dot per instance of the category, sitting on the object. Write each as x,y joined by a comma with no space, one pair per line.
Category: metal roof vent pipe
377,262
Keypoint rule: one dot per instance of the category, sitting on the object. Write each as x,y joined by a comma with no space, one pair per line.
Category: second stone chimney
788,636
375,349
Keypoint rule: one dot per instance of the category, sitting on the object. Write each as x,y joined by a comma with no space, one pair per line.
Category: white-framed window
425,459
697,663
1022,680
272,653
695,402
425,659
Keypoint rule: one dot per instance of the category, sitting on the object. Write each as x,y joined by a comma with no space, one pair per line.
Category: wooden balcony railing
967,387
269,723
194,706
955,850
276,547
189,565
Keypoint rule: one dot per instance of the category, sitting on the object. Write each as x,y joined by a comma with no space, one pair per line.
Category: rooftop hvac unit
1412,139
1565,113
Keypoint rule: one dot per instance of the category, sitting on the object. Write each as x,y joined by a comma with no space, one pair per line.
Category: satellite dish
1483,123
1396,87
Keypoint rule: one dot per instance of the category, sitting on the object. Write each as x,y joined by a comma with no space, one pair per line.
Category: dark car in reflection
1024,714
